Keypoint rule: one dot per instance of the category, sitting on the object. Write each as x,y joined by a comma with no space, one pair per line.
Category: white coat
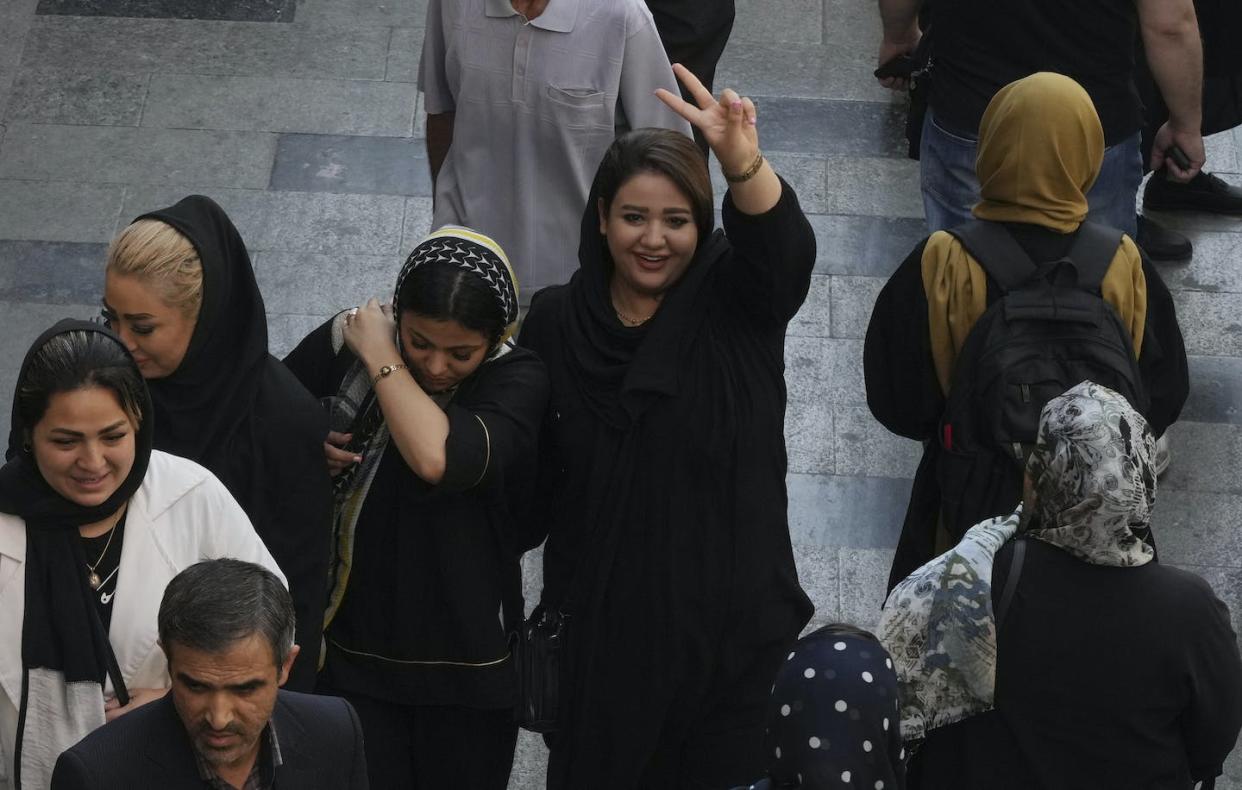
180,515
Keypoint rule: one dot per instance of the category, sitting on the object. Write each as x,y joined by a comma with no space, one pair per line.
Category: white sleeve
227,528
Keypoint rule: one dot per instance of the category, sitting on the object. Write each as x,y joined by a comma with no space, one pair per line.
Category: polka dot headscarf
832,719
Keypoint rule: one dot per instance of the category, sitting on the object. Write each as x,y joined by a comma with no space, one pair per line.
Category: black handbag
537,648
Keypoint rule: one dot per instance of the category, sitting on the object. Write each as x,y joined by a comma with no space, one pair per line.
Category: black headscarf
236,410
208,397
603,352
61,629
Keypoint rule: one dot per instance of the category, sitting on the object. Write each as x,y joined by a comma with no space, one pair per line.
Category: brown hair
159,254
667,153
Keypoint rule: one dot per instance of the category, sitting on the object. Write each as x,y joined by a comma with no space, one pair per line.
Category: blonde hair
160,255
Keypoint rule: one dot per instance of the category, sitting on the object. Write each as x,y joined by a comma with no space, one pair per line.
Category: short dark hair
214,603
74,360
447,292
666,153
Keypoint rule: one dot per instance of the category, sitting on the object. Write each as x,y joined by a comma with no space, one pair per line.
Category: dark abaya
904,394
235,409
663,490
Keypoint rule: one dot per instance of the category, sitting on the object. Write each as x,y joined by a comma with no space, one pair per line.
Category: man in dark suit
226,627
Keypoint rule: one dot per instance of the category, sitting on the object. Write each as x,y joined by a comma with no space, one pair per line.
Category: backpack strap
995,249
1011,581
1092,253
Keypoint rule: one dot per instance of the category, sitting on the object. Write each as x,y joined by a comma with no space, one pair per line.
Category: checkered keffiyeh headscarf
475,253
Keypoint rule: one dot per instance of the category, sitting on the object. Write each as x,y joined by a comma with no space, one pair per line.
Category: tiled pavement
303,120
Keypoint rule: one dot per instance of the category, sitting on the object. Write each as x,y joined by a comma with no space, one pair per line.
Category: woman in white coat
93,525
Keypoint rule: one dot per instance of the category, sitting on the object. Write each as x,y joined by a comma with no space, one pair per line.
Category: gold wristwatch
386,371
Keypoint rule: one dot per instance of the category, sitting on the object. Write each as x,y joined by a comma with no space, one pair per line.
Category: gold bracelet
750,171
386,371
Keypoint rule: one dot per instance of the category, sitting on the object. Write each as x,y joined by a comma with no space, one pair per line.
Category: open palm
727,124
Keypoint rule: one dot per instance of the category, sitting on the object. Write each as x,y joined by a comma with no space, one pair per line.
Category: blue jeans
950,188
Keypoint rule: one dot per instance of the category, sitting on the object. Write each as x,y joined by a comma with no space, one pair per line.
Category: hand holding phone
899,67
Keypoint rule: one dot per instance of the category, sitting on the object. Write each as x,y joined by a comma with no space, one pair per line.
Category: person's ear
285,667
603,217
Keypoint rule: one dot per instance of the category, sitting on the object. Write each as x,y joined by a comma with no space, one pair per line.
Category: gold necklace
625,319
93,578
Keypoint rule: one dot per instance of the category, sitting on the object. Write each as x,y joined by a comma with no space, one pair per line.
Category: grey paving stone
1211,323
404,50
298,221
1206,457
365,165
873,186
815,317
864,583
532,578
867,246
51,272
236,10
23,322
819,574
852,301
826,368
832,127
16,17
130,155
864,447
827,511
530,763
1227,584
285,330
306,283
1214,266
57,211
805,174
238,48
185,101
799,70
1215,390
767,21
382,13
808,430
70,97
1222,153
1198,528
418,224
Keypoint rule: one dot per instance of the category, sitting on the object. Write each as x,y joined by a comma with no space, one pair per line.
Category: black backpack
1049,330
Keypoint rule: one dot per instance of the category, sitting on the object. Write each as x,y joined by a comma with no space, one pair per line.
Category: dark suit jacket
148,749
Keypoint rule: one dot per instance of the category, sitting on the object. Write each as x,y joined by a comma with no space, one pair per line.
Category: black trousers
415,747
694,34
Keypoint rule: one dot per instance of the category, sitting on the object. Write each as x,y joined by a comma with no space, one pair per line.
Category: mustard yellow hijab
1040,150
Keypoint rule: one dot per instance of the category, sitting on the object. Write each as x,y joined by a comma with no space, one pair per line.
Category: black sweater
1106,678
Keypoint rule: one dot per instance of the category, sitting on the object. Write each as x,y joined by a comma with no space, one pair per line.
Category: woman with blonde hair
180,291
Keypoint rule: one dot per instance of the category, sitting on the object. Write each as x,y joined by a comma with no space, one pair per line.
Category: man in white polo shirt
522,100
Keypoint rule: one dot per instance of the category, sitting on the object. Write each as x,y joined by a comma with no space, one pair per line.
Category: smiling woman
662,465
93,523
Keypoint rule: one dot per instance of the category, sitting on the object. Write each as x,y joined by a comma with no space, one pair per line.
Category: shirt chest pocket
576,107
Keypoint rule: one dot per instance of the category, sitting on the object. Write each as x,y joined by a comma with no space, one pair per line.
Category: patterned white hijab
1094,485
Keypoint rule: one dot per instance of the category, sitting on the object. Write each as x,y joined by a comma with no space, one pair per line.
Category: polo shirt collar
558,17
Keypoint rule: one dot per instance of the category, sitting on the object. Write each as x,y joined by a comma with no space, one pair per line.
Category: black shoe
1204,192
1162,244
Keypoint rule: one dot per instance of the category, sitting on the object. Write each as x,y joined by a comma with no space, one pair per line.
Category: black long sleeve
1162,362
902,391
769,273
